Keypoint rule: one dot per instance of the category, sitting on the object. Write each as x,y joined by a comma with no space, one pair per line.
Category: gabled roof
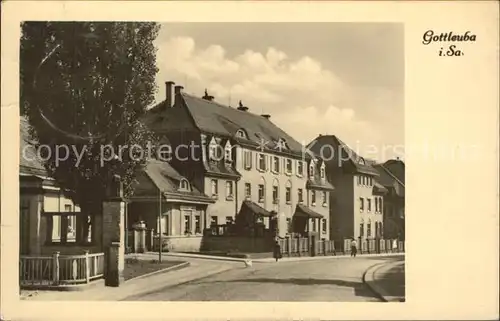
165,178
302,210
257,209
389,180
28,160
211,117
397,168
338,147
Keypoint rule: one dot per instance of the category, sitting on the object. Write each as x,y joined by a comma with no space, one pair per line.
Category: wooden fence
58,269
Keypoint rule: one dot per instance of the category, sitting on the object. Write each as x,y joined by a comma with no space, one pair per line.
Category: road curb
150,291
369,280
165,270
317,258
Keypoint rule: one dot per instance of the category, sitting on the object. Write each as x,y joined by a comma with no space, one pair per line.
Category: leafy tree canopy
85,85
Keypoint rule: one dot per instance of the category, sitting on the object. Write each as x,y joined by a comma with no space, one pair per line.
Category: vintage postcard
250,157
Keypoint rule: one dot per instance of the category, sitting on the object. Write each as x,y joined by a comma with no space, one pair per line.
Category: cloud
303,98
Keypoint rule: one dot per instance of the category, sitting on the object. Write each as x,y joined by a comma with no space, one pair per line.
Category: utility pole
160,239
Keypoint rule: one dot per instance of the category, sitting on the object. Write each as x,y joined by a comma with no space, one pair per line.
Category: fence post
55,267
87,266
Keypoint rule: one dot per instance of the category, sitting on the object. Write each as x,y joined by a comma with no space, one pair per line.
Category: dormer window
184,185
281,144
311,170
212,149
241,134
228,157
361,161
322,171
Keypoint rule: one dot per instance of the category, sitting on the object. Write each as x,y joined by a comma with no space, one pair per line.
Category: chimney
168,94
178,89
241,107
207,96
266,116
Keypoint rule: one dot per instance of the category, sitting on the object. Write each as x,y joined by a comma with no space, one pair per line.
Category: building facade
238,156
47,216
391,176
356,207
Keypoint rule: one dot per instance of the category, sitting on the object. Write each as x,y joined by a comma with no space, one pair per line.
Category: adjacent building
392,177
47,216
356,207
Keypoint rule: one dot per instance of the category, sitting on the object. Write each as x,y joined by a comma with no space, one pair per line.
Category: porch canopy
256,209
304,211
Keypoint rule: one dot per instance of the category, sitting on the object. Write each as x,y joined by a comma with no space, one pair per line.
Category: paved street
337,279
391,279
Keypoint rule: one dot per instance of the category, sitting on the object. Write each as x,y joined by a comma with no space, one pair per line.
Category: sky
343,79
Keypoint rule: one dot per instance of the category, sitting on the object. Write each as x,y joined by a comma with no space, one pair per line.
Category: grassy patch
135,267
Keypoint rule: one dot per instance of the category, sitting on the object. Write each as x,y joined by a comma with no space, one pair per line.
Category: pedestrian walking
354,247
395,245
277,251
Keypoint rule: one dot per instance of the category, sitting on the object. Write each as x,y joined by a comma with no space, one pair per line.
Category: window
313,198
381,230
288,195
369,229
215,187
376,204
228,154
197,224
275,195
322,172
187,224
212,150
71,221
229,189
247,159
323,225
311,170
261,193
229,220
359,179
214,221
241,134
370,181
300,168
289,166
363,180
361,204
184,184
380,209
314,227
376,229
325,198
276,164
262,162
248,190
369,205
361,229
300,198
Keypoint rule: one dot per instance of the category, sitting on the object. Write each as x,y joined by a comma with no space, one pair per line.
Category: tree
86,85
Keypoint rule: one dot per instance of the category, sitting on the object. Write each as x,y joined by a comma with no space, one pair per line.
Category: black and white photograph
241,161
195,166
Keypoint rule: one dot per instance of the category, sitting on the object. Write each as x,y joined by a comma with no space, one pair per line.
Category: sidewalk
387,281
196,270
266,260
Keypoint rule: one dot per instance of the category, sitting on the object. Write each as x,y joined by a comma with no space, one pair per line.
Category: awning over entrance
257,209
305,211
